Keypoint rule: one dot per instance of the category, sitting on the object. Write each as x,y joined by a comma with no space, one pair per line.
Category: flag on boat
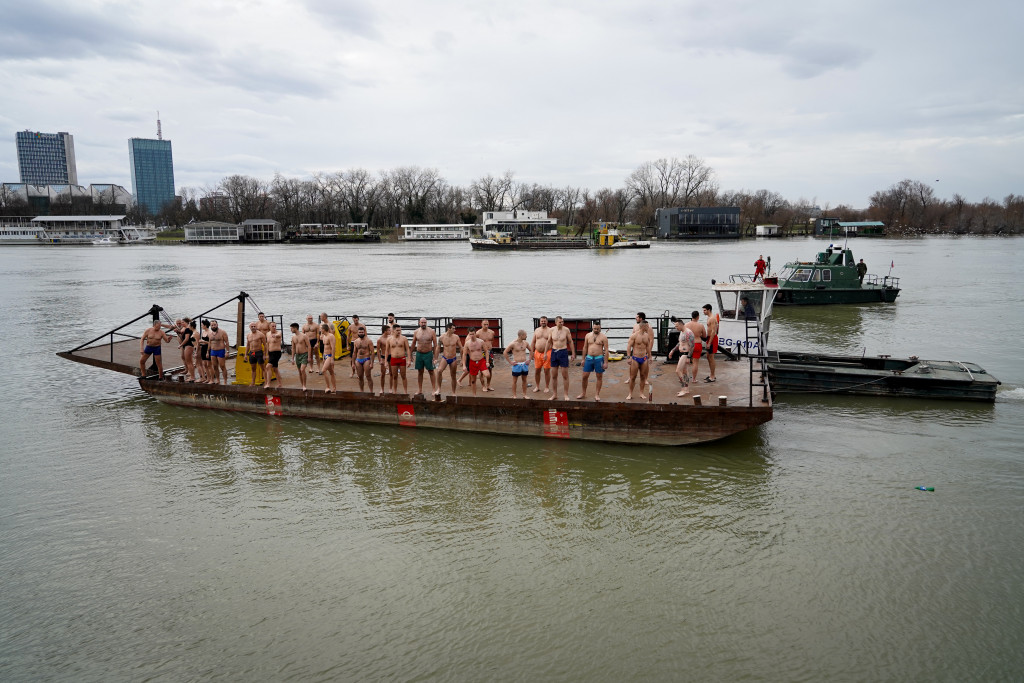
893,264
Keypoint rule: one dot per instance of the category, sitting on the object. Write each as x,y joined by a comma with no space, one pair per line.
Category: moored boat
610,238
832,278
792,372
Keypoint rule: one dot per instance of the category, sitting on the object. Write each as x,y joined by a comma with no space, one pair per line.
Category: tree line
411,194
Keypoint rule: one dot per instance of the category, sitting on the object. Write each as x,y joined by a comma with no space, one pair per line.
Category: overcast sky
823,101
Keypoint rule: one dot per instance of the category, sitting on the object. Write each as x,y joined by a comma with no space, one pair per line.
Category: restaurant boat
790,372
738,401
832,278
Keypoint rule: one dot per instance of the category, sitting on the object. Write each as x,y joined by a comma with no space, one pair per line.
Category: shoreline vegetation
411,194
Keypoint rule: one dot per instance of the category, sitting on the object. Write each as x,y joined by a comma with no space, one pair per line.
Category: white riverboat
431,232
72,230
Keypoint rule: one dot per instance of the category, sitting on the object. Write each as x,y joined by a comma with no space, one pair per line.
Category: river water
147,542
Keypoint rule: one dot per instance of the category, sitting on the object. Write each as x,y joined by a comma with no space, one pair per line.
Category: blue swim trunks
219,353
521,369
593,364
152,350
641,360
560,358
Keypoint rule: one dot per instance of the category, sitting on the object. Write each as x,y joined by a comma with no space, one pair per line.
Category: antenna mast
159,133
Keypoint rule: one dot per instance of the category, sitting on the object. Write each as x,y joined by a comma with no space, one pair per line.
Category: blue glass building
152,173
46,158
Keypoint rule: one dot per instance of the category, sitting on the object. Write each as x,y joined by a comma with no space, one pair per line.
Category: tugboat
610,238
832,278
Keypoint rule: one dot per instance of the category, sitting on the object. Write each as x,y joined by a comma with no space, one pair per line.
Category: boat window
817,276
754,297
826,275
801,275
726,305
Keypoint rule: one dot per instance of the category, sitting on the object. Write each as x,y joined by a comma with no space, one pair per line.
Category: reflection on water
838,329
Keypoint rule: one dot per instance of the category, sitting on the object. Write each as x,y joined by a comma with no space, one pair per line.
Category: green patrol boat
832,278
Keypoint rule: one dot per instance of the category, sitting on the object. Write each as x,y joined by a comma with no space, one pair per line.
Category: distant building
212,232
152,173
834,227
709,222
518,223
261,230
46,158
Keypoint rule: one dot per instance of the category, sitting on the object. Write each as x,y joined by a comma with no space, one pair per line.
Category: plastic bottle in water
925,488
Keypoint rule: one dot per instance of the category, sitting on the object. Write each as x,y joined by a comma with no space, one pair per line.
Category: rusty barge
739,400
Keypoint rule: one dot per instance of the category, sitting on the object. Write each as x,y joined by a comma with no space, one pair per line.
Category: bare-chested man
311,330
398,350
255,345
685,348
517,353
327,367
596,359
700,335
350,336
275,340
149,345
712,346
475,353
384,357
639,351
219,352
262,324
424,340
300,351
363,350
541,345
450,346
563,352
486,335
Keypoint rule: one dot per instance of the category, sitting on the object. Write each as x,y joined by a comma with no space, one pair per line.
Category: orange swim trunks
542,360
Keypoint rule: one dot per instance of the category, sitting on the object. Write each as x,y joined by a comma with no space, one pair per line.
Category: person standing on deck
363,352
218,352
563,352
700,336
149,345
517,353
596,359
475,353
759,268
312,332
398,350
541,345
350,336
275,340
384,357
450,345
639,351
255,342
424,341
486,335
862,270
685,348
327,367
712,348
300,351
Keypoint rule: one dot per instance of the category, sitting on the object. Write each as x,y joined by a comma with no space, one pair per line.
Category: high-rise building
46,158
152,173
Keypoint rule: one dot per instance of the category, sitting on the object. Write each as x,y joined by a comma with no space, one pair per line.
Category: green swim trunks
301,359
424,360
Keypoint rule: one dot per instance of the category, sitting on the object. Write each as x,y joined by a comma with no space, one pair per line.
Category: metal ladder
758,360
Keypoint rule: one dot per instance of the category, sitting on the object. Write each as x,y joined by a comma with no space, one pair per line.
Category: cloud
351,16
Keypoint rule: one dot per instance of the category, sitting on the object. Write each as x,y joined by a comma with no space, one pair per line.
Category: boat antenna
159,133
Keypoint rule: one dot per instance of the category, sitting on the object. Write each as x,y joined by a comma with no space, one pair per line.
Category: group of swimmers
550,348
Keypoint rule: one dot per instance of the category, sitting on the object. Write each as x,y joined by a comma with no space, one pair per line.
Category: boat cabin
745,314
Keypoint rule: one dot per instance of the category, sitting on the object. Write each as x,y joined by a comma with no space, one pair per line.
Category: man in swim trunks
398,351
312,332
262,324
712,348
149,345
384,357
363,352
517,353
300,351
486,335
450,345
541,345
700,335
596,360
327,367
255,343
218,352
639,351
685,347
275,340
424,340
563,352
475,355
350,336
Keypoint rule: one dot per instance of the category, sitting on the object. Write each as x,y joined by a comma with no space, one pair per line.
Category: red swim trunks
397,362
698,348
713,347
477,366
